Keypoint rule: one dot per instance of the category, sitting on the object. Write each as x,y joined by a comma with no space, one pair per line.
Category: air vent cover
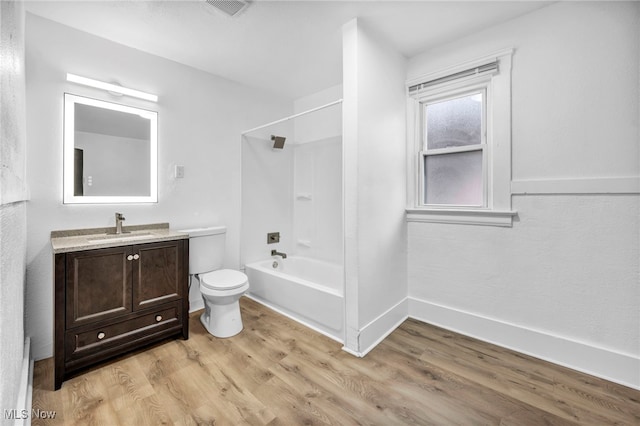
229,7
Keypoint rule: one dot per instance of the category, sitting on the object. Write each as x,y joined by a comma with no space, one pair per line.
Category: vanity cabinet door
159,273
98,285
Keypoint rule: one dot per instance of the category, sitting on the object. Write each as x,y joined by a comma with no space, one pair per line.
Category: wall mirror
110,152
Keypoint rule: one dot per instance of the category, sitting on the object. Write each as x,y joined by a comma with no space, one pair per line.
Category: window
453,151
460,144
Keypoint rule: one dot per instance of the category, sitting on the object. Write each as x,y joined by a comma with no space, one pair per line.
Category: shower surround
297,191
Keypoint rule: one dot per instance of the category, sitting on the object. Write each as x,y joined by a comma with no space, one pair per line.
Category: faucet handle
119,216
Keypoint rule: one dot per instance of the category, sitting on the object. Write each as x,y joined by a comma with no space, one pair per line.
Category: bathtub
307,290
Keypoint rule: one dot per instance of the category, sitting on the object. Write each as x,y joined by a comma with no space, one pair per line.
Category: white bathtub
307,290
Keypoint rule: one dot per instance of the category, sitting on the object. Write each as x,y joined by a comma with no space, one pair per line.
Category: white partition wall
374,173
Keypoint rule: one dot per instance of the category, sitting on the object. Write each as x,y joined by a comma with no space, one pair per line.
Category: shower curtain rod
292,116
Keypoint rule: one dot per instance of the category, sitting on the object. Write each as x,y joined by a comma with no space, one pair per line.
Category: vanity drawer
84,342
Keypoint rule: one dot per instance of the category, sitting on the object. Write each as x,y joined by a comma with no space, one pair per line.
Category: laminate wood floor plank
256,347
217,400
503,383
546,390
192,401
524,367
366,398
340,397
278,372
293,407
43,397
261,317
248,408
539,383
446,388
87,402
147,411
392,383
125,382
457,365
242,368
409,377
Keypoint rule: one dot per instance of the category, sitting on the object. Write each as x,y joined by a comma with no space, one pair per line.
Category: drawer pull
130,257
101,335
136,256
158,318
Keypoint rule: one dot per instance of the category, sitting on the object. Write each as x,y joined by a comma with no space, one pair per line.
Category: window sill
460,216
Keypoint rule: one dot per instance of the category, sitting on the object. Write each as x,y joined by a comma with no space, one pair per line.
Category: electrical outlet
179,173
273,237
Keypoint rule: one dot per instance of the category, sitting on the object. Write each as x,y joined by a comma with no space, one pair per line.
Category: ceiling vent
229,7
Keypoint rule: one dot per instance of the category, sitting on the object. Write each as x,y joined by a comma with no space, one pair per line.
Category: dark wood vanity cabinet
112,300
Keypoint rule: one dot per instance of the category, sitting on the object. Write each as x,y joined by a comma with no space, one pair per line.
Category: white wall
13,224
321,124
200,118
375,178
562,283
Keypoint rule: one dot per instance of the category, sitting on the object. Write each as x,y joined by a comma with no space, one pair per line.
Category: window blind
491,67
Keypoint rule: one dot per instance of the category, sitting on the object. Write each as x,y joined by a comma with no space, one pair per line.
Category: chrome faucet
277,253
119,219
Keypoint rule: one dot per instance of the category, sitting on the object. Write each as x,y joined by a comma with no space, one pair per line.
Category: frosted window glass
454,122
454,179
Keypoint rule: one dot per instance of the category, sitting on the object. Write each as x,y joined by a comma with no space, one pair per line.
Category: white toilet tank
206,248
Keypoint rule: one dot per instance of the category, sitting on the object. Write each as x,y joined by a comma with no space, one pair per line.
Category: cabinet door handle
130,257
136,256
101,335
158,318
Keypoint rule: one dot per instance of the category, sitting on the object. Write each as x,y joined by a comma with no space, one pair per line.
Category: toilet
220,288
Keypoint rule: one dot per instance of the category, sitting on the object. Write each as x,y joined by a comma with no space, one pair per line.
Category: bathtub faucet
277,253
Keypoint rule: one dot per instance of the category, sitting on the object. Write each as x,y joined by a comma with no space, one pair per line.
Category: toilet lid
223,279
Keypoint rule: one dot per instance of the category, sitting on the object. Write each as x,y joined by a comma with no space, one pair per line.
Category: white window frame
496,147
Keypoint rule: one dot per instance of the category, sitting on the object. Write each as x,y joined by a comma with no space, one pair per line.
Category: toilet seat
223,279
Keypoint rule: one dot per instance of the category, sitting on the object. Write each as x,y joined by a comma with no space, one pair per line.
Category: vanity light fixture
111,87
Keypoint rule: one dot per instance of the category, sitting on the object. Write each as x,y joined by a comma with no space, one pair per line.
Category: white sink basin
120,237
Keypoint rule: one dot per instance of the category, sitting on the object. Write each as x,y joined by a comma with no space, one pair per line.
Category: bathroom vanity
117,292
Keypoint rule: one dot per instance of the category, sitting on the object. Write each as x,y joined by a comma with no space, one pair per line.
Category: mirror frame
70,101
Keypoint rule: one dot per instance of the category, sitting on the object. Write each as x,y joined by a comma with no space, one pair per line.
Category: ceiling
293,48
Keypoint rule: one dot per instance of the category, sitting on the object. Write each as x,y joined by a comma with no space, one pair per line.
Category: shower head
278,141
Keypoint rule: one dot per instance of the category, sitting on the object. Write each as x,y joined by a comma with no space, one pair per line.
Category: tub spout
277,253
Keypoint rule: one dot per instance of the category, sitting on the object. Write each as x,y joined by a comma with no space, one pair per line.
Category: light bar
111,87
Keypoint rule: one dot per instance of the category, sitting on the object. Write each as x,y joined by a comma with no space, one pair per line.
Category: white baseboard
25,391
352,352
377,330
600,362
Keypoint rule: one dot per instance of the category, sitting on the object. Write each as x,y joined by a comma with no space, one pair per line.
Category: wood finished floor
278,372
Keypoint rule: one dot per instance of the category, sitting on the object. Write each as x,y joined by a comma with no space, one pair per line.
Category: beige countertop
93,238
